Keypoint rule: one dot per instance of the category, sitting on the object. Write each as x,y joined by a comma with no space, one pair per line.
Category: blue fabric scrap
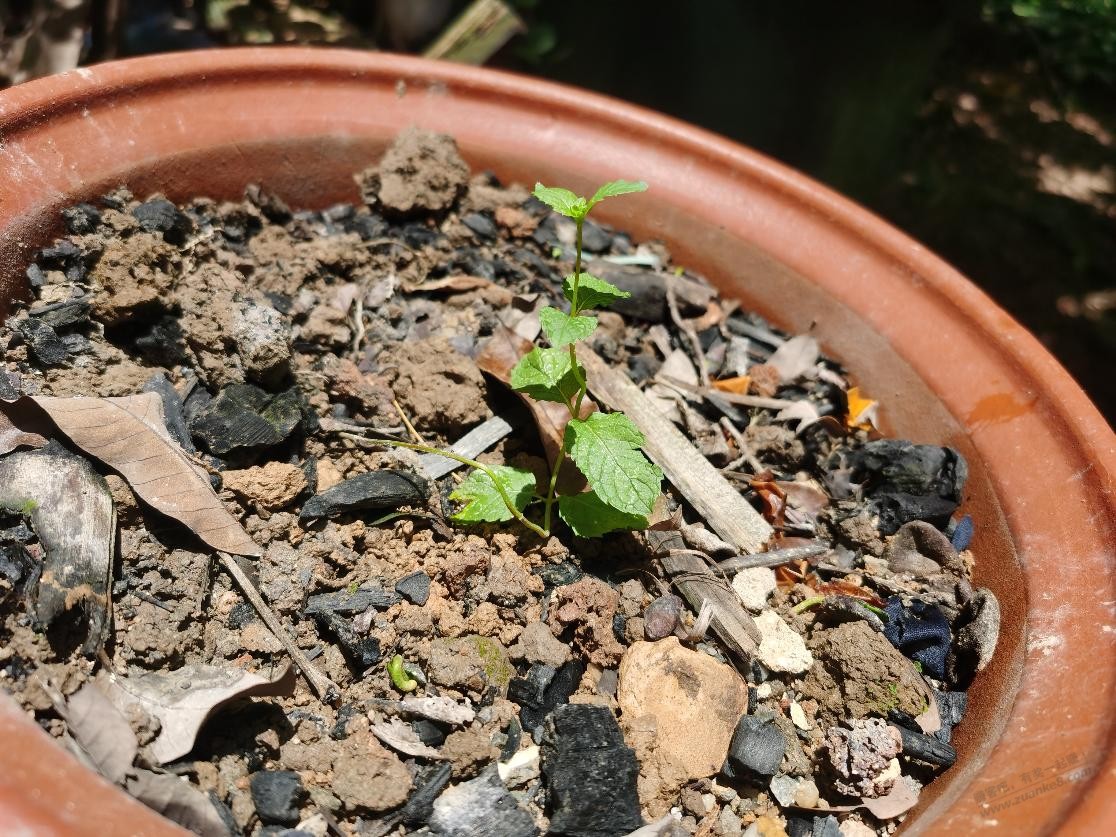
962,534
921,632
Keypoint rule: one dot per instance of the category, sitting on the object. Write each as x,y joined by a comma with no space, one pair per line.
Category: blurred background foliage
983,128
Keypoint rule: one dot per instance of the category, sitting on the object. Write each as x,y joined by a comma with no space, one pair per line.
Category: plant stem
542,532
806,604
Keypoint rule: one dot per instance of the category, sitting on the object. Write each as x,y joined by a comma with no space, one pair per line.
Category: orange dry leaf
862,411
738,386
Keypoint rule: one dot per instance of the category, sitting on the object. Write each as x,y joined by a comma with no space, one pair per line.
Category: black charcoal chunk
173,410
65,314
480,223
350,603
757,747
244,418
555,693
481,806
160,215
648,300
362,651
415,587
384,489
590,773
43,341
927,748
951,708
81,218
276,795
429,783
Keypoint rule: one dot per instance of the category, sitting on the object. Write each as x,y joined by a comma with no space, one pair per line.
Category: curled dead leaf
863,412
129,434
795,358
402,737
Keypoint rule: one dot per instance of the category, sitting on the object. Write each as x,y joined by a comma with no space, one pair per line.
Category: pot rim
1065,410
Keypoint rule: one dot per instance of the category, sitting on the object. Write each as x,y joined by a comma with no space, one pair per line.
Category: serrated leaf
606,449
562,201
617,187
592,292
483,503
590,517
561,329
545,375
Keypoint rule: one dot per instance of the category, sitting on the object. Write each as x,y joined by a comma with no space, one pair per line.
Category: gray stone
661,617
481,806
276,795
757,747
429,784
415,587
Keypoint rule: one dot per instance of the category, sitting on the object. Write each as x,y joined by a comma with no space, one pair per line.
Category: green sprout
399,677
623,483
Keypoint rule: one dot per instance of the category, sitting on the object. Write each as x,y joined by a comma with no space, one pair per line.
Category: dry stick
688,330
732,397
407,423
746,454
326,689
773,557
715,499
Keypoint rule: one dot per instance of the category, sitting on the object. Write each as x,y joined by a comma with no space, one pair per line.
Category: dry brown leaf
797,357
129,434
863,412
184,699
738,385
453,284
101,732
402,737
20,429
177,800
497,356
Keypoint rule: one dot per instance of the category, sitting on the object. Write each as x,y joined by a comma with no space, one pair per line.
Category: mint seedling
604,446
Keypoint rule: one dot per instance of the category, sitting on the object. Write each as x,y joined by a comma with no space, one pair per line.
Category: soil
367,319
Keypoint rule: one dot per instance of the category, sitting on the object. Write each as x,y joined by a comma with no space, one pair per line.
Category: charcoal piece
276,795
383,489
349,603
907,482
59,255
18,568
65,314
35,276
271,206
927,748
590,773
951,708
558,575
429,783
594,237
345,714
757,748
417,236
160,215
479,223
648,291
241,615
75,344
415,587
366,225
224,813
921,632
43,341
514,735
481,806
362,651
9,385
531,690
557,691
243,418
962,534
173,410
117,199
81,218
428,732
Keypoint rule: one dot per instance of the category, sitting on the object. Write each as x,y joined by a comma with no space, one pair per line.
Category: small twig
358,324
332,425
732,397
326,689
407,423
773,557
147,597
746,455
691,335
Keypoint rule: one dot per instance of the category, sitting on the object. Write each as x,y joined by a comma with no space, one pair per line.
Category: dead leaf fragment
101,732
795,358
402,737
863,412
804,412
453,284
184,699
129,434
738,385
177,800
19,429
442,709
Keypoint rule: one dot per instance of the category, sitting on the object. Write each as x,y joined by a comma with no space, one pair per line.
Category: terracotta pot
949,366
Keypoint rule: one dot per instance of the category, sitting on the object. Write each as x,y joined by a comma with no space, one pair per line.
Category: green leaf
617,187
589,516
483,502
545,375
592,292
562,329
562,201
606,449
